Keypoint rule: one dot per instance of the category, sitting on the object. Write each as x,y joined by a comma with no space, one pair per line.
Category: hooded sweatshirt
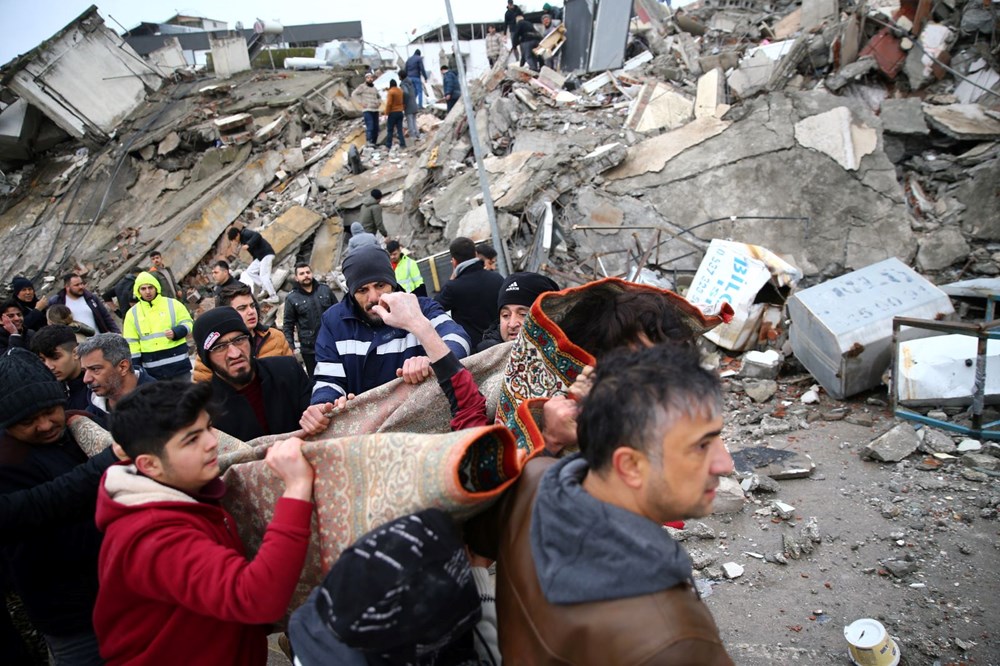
359,238
145,329
589,550
175,584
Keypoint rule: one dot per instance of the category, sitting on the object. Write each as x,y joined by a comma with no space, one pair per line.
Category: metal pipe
502,264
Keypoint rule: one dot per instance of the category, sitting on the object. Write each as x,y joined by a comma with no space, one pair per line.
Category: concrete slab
327,245
476,225
904,116
659,106
653,154
752,75
963,121
789,25
186,249
816,13
835,134
290,229
711,93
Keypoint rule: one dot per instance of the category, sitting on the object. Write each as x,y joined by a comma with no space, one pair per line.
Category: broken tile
835,134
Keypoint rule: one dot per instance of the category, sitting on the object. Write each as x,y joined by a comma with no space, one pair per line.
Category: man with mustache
256,396
586,574
357,351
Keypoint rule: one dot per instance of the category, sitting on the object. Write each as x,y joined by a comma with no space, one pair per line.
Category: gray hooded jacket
587,550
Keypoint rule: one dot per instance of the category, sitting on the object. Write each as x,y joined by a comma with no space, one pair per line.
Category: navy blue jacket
352,356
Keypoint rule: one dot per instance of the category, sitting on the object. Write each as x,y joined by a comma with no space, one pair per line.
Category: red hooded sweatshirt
175,584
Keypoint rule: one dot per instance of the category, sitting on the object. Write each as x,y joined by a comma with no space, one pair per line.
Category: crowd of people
129,557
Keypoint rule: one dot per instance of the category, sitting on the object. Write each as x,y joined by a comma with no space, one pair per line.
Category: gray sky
25,23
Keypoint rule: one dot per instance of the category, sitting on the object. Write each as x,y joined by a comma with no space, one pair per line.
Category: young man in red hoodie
175,584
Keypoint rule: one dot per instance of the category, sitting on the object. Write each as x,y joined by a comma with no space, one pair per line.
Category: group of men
162,575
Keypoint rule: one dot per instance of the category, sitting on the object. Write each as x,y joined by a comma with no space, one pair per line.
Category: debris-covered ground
835,135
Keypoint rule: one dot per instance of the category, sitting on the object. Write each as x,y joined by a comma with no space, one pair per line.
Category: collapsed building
831,145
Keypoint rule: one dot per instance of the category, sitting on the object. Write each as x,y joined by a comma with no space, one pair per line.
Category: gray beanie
27,386
369,263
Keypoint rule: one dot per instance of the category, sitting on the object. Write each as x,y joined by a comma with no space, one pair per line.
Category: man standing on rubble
357,351
452,89
394,107
259,271
415,72
371,214
510,17
367,98
495,44
304,309
526,38
410,107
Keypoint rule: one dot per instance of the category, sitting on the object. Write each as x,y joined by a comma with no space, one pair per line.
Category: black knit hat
212,325
27,386
369,263
401,594
523,289
19,283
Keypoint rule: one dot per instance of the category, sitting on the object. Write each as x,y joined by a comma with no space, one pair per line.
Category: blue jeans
418,88
394,121
371,126
76,650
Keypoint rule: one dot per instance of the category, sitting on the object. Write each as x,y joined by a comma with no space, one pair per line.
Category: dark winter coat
304,311
105,322
286,390
472,298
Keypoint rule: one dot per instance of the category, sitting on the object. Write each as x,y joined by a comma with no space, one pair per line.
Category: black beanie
369,263
27,386
523,289
212,325
19,283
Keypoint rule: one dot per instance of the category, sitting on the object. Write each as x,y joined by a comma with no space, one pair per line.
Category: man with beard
266,341
304,309
108,372
13,332
86,307
367,98
256,396
357,351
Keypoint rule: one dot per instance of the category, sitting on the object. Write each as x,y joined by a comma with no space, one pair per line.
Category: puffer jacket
146,324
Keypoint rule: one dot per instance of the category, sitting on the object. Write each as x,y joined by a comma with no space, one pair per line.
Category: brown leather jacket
669,627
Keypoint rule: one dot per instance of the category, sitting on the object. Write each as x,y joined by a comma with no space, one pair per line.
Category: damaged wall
84,78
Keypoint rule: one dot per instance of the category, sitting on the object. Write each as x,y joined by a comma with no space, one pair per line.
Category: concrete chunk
290,229
942,248
904,116
711,93
894,445
657,106
817,12
835,134
169,144
963,121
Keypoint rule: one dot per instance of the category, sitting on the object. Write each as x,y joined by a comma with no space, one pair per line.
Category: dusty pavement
915,549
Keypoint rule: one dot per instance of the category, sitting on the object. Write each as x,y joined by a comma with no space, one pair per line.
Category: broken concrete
963,121
894,445
835,134
904,116
942,248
